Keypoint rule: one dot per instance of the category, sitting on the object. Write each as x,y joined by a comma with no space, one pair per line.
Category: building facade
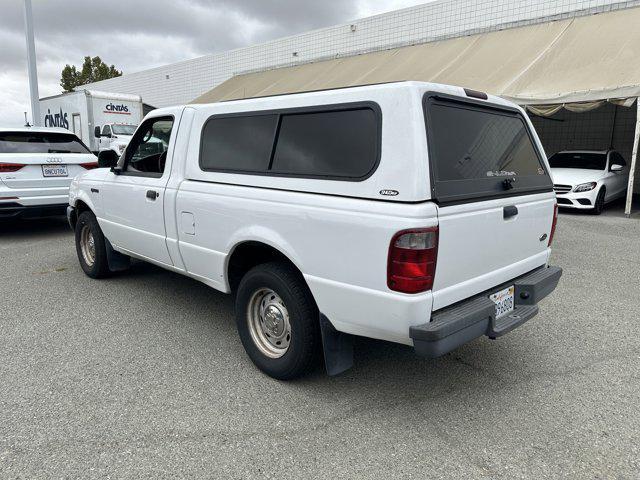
181,82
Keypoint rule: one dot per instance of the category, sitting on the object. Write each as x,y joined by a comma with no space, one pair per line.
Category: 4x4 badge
389,193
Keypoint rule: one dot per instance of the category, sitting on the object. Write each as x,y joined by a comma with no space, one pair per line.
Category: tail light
553,224
89,165
411,265
10,167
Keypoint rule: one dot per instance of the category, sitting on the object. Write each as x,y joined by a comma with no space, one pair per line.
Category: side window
341,143
147,151
238,143
329,144
106,130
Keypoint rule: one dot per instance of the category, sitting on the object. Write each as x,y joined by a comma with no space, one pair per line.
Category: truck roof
325,94
125,97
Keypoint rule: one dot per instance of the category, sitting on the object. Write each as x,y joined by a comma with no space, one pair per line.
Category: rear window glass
480,152
241,143
341,143
333,144
590,161
38,142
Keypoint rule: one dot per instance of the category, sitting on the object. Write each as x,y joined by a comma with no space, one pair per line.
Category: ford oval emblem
389,193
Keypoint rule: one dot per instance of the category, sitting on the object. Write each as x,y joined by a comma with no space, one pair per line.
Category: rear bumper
12,210
460,323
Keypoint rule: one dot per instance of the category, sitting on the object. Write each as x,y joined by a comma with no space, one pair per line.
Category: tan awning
585,59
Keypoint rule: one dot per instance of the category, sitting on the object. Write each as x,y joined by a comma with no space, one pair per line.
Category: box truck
102,120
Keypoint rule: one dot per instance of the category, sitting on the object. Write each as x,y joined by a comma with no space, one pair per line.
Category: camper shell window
339,142
477,151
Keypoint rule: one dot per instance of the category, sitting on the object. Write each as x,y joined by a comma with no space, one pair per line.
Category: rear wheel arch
251,253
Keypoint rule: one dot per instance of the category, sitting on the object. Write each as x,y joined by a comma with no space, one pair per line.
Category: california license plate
504,300
54,171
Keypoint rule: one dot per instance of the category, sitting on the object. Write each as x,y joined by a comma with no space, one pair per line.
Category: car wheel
599,204
90,246
278,320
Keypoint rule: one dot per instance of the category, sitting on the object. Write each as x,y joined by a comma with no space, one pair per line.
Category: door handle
509,211
152,194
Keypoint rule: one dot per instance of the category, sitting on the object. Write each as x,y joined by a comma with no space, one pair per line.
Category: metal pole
634,159
31,64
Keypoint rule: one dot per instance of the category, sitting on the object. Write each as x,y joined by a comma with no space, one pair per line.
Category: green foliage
93,70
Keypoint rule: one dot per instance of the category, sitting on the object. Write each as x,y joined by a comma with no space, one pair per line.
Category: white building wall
181,82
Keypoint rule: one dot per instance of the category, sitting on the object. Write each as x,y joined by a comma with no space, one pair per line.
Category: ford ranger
410,212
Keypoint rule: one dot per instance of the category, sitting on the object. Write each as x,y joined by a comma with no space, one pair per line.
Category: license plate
54,171
504,300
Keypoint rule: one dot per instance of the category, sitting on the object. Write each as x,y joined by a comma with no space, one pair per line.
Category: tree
93,70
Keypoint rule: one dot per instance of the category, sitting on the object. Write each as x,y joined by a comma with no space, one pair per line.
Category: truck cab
114,136
410,212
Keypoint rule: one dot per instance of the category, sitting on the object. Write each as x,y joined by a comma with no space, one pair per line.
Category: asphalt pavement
143,376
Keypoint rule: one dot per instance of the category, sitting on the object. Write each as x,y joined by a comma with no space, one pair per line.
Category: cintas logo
111,108
56,119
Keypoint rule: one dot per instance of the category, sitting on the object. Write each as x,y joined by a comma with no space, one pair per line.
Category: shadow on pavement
32,227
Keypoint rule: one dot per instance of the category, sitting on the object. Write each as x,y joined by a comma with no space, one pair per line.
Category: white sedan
588,179
36,168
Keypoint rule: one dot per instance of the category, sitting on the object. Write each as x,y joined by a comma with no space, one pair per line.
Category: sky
138,34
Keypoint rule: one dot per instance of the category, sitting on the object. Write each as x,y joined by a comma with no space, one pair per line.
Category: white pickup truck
410,212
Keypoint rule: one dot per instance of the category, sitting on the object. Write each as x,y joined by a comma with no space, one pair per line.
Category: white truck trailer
87,112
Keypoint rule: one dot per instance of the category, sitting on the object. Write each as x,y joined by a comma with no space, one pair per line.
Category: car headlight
121,148
585,187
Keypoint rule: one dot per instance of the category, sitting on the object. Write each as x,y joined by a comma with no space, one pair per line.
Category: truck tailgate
482,245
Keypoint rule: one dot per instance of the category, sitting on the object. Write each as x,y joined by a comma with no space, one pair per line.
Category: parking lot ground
143,376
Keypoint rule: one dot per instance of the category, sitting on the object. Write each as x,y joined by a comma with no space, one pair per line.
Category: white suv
410,212
36,168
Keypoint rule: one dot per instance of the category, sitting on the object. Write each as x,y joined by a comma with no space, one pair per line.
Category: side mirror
108,159
616,168
96,132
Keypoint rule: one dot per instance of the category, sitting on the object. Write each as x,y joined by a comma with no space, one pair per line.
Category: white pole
31,64
634,159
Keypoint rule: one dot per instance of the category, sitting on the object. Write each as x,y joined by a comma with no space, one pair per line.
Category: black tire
99,268
599,204
304,344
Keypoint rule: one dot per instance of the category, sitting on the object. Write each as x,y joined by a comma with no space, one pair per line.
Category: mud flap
116,260
337,348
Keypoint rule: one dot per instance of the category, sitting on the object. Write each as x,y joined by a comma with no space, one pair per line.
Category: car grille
562,188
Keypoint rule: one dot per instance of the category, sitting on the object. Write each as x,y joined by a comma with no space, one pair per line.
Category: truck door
77,125
133,194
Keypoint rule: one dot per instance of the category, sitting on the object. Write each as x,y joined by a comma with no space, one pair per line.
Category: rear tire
278,320
91,246
599,203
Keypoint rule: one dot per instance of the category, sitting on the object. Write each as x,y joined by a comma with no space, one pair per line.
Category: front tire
91,246
599,203
278,320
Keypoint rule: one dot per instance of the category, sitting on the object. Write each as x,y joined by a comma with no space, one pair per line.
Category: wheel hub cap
268,321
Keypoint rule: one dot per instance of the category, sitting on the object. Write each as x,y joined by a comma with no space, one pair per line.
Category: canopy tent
574,63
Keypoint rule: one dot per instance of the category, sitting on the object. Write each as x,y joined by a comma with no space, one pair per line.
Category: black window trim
476,104
127,158
280,112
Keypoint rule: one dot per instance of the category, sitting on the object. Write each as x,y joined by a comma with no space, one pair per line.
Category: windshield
590,161
40,142
124,129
